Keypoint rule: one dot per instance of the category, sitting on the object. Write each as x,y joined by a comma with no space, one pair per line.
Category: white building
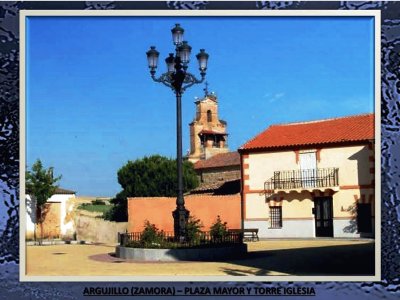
58,222
311,179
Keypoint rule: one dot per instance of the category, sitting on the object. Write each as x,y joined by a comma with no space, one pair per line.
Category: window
308,167
209,116
275,216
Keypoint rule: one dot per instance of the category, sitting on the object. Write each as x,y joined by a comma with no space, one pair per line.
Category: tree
152,176
40,185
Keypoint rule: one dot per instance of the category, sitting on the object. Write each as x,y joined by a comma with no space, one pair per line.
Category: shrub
219,229
151,236
193,229
98,202
119,209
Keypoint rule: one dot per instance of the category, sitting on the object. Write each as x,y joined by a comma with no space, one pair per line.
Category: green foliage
151,236
119,209
153,176
95,208
219,229
40,185
193,229
98,202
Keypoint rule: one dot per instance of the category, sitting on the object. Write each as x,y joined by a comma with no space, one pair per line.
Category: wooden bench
250,234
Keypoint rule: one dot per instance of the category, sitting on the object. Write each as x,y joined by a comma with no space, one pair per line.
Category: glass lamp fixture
170,61
202,58
184,51
152,57
177,34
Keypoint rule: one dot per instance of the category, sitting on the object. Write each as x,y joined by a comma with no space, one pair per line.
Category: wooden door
323,216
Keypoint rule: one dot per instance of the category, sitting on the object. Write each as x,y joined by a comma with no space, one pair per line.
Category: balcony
302,180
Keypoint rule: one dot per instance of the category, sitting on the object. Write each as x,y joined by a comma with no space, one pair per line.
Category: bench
250,234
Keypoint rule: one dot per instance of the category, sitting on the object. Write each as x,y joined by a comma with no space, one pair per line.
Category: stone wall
220,174
91,228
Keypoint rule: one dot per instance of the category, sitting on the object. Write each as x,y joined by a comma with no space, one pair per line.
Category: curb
48,243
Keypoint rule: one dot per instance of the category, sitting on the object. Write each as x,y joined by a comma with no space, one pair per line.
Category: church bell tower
208,135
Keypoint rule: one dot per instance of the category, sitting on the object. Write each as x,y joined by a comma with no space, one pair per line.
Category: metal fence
295,179
168,240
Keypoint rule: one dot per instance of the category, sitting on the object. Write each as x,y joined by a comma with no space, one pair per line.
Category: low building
311,179
219,174
58,222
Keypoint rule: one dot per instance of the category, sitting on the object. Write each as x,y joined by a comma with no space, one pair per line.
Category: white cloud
274,97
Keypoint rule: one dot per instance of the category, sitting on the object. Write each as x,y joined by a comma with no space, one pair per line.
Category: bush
119,209
193,229
98,202
219,229
151,236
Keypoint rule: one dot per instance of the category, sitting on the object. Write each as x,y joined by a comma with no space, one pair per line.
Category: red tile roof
227,187
219,160
337,130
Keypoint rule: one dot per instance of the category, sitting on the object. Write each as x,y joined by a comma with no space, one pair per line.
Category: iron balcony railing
298,179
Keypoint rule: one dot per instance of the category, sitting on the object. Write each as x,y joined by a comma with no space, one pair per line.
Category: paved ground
272,257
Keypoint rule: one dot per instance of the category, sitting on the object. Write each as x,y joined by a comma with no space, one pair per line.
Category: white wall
66,224
290,229
354,163
30,215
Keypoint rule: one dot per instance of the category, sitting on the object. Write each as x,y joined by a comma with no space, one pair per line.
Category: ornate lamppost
178,79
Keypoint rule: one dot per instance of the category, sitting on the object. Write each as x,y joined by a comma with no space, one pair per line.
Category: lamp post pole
178,79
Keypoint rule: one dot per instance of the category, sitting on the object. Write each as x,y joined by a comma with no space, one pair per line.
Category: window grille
275,216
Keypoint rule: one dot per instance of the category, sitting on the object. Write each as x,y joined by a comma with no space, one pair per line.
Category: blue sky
91,105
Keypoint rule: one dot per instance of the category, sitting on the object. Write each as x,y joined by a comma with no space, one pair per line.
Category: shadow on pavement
328,260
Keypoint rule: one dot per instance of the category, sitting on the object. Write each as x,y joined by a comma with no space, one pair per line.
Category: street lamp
178,79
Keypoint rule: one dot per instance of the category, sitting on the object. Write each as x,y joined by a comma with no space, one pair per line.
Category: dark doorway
323,216
364,222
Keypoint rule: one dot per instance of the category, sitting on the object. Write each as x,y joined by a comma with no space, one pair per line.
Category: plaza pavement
309,257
